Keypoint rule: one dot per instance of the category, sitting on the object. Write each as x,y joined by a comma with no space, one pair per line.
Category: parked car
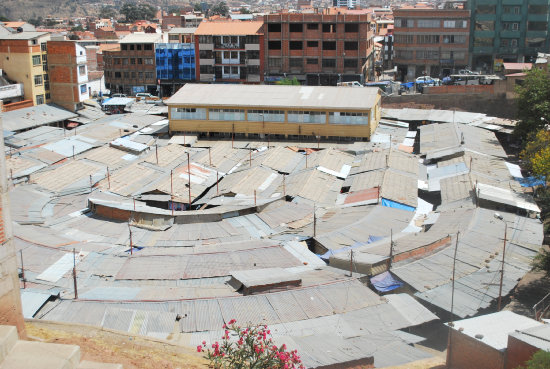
467,72
144,95
119,95
350,84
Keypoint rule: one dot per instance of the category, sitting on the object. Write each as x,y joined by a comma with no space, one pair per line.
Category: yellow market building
281,111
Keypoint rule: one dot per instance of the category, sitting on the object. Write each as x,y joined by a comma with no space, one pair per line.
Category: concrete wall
470,353
491,104
10,298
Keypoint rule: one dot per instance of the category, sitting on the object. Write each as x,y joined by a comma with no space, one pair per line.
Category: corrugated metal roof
32,301
400,188
39,115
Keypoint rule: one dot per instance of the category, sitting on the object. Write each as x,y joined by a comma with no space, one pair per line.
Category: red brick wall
422,250
112,213
470,353
518,353
17,105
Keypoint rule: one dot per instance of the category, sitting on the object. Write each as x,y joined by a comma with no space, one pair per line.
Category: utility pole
498,216
131,243
391,250
74,276
351,263
189,177
451,324
23,270
108,179
172,190
314,222
157,153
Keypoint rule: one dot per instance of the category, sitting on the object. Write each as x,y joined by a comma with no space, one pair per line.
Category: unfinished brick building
319,49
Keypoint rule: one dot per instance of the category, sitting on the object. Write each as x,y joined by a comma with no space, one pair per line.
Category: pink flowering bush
249,348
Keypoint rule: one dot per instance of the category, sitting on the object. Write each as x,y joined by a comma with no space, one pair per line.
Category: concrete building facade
319,49
68,71
507,31
132,69
279,111
229,51
431,42
23,59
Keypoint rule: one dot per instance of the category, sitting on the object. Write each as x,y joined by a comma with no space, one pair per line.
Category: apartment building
68,72
431,42
351,4
23,59
507,31
182,35
132,69
319,49
229,51
175,64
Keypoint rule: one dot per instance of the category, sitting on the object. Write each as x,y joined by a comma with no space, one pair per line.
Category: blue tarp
385,282
532,181
397,205
407,84
371,239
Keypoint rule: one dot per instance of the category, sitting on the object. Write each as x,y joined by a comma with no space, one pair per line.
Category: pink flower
232,321
199,348
204,342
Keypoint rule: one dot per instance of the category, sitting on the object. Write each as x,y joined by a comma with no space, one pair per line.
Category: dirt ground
108,347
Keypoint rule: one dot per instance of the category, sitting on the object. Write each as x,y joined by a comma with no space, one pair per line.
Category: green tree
174,10
533,103
36,21
536,154
197,7
220,8
288,81
541,262
107,12
539,360
133,12
147,11
244,10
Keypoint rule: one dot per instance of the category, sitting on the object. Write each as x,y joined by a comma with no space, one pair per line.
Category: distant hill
28,9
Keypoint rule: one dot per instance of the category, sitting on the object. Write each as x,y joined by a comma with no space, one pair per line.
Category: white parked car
467,72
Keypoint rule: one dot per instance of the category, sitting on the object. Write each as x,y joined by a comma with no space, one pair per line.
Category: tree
533,103
536,154
133,12
541,262
251,348
539,360
74,37
36,21
197,7
174,10
147,11
107,12
244,10
220,8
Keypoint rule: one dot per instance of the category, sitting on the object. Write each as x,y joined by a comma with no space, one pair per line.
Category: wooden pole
217,183
502,268
91,184
131,243
189,177
108,179
157,153
73,152
391,249
314,222
74,275
451,324
250,158
172,190
23,270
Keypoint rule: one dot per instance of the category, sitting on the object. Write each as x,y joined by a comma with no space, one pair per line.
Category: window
253,69
225,114
173,37
312,61
140,75
510,26
38,80
485,25
427,39
274,45
329,63
252,39
48,96
329,45
348,118
295,45
138,47
277,116
133,74
404,22
36,60
81,70
274,27
295,27
403,54
132,46
44,58
39,99
511,9
428,23
313,44
351,45
274,62
126,74
403,39
538,9
149,61
329,27
46,85
188,113
483,41
296,62
427,54
83,89
455,24
313,26
44,46
149,75
315,117
534,41
117,75
485,9
206,69
205,39
351,27
205,54
147,47
350,63
45,67
139,60
123,46
124,61
253,54
133,61
452,55
537,26
454,39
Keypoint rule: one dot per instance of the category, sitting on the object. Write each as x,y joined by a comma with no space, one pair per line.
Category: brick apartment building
432,42
132,69
319,49
229,51
68,74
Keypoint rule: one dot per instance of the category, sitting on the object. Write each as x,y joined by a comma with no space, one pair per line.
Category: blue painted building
175,64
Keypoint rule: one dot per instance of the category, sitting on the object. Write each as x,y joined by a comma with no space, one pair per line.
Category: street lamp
501,218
